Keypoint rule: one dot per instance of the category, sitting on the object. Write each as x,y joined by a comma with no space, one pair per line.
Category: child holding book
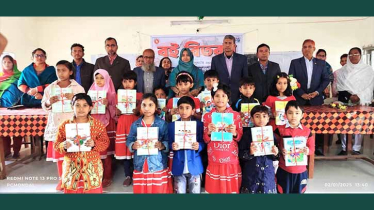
160,93
258,171
64,71
103,82
187,164
82,171
223,174
123,128
293,179
280,90
246,89
185,83
211,79
151,174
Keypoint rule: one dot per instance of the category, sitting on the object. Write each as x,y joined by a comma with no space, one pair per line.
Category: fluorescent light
198,22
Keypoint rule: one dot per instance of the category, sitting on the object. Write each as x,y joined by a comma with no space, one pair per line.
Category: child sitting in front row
293,179
187,164
258,171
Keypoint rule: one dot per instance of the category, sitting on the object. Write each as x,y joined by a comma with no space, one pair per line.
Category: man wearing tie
310,73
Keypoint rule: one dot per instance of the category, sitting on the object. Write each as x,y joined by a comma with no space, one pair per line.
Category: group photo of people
158,124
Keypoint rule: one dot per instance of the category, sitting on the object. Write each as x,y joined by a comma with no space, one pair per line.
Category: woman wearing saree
35,78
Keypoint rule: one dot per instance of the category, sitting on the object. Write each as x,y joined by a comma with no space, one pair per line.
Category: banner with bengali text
203,47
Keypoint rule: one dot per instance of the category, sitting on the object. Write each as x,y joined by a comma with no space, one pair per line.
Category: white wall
56,34
22,35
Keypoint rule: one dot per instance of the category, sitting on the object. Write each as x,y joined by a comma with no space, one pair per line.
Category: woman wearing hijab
355,83
9,96
185,63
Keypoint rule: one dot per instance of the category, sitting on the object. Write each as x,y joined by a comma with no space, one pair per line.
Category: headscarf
188,67
111,96
357,79
8,77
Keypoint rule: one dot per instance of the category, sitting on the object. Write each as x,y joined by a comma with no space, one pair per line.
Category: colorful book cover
222,121
147,136
175,105
97,97
206,98
263,138
126,101
77,134
63,105
280,114
161,105
294,155
246,113
185,134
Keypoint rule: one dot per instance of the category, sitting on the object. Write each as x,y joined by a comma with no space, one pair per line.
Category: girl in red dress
223,174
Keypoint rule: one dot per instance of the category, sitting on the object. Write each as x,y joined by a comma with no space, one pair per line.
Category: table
326,120
23,122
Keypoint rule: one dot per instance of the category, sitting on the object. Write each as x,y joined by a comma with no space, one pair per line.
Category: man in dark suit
310,73
83,71
115,65
231,66
148,75
263,72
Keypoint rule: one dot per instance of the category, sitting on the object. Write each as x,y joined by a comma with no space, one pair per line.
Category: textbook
246,113
126,101
175,105
222,121
280,114
161,105
97,97
77,134
263,138
294,155
63,105
185,134
147,136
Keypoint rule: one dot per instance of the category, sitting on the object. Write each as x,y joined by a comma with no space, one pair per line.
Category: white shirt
289,126
309,69
185,169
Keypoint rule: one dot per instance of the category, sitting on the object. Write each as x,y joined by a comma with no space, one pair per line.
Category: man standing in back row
114,64
263,72
231,66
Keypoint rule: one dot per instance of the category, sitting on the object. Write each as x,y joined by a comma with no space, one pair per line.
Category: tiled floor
351,176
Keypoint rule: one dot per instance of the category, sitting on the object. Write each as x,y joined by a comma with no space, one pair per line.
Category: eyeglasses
39,56
356,55
146,57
